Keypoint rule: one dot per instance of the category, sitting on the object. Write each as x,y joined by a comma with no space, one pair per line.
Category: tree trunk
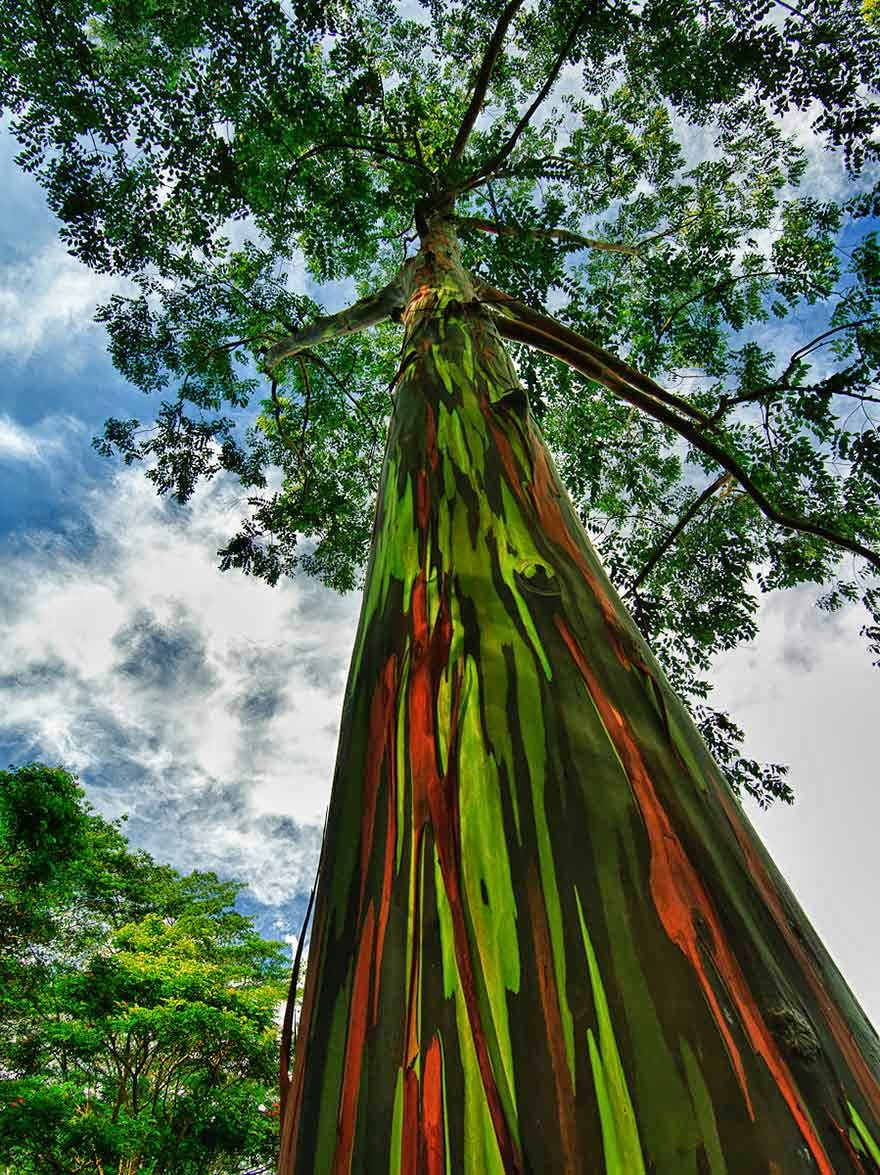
546,938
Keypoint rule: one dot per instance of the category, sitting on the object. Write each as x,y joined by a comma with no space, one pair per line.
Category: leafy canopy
623,165
137,1008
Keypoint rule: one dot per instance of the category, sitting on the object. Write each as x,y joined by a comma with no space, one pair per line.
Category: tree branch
555,340
367,312
549,234
598,356
379,150
481,84
820,340
671,538
504,151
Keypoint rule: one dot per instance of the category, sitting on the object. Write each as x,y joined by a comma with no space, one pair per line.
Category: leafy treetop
137,1008
621,163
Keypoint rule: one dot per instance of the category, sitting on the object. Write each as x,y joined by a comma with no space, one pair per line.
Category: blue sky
206,705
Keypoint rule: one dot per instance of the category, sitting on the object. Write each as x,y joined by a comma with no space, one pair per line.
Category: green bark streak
545,932
620,1136
864,1134
704,1111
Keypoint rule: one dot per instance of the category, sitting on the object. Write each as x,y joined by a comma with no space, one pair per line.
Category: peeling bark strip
546,937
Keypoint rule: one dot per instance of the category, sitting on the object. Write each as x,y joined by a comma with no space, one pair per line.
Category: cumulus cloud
204,705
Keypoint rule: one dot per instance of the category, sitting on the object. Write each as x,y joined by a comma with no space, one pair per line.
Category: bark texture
546,938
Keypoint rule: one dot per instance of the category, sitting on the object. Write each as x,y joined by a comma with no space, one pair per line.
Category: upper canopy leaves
623,163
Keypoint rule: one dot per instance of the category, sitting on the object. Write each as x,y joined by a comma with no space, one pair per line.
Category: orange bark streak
293,1102
423,500
553,1019
354,1048
412,1026
390,846
431,439
432,1111
847,1144
677,891
409,1138
435,803
545,496
423,756
377,744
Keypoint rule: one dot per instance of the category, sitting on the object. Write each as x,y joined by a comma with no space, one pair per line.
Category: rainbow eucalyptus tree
546,938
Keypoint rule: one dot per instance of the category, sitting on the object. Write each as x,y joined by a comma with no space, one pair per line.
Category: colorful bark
546,937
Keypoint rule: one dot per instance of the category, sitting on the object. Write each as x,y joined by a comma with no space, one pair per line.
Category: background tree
138,1012
537,891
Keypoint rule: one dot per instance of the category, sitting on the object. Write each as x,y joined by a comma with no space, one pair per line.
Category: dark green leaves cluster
137,1008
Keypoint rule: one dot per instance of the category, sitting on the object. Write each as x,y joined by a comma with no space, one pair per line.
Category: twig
669,539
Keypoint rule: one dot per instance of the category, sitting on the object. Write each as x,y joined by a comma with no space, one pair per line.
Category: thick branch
481,84
547,234
598,356
550,340
367,312
672,536
504,151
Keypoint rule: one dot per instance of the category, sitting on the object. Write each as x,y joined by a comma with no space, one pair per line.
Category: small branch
672,537
481,84
550,339
504,151
367,312
562,235
287,441
722,285
331,374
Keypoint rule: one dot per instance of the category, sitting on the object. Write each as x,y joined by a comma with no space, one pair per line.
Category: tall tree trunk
547,938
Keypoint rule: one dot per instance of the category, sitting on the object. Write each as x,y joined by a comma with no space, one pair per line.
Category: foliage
137,1011
625,164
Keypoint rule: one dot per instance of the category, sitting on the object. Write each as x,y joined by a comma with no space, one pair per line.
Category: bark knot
794,1031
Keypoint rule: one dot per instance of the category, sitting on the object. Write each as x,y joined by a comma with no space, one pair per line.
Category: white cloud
39,444
50,296
205,705
16,443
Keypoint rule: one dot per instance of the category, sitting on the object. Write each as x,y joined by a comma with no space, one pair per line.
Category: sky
206,705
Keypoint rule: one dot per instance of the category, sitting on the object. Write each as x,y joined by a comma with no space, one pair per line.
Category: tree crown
623,164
